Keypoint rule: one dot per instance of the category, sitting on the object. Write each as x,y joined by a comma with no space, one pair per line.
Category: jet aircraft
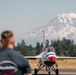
47,59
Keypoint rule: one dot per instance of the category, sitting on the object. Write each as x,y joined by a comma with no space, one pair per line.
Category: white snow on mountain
61,26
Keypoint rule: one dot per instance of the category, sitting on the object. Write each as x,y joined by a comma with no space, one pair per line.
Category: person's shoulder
13,52
0,49
15,55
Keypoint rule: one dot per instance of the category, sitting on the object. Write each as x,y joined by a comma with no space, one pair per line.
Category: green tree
72,50
38,48
30,47
41,46
58,47
47,43
21,47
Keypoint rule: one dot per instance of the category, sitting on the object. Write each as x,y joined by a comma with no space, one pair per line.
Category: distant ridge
61,26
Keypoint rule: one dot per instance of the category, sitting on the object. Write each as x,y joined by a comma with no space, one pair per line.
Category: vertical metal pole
43,39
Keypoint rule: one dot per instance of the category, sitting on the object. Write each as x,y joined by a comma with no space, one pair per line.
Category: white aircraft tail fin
40,55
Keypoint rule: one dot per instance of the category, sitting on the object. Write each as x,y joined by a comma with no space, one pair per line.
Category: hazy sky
22,16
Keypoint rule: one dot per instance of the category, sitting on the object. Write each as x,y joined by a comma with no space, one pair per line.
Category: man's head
7,38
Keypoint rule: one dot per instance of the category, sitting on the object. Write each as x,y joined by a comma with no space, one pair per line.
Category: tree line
64,47
28,50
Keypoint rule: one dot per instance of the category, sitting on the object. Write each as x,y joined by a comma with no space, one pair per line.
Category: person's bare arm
27,74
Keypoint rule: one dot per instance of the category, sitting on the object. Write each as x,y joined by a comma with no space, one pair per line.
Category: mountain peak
66,17
72,15
61,26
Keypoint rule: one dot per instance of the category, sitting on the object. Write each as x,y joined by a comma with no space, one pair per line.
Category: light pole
44,48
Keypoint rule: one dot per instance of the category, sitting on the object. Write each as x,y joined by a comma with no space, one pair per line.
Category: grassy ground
61,63
67,63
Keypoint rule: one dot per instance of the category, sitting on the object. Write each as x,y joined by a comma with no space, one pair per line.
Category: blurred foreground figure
11,62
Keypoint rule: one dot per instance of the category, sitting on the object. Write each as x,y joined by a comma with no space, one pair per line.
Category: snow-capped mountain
61,26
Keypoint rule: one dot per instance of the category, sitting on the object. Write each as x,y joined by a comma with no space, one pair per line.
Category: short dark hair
7,34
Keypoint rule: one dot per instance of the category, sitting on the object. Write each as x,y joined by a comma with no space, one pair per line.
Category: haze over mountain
61,26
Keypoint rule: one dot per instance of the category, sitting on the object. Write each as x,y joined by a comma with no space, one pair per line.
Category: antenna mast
43,39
